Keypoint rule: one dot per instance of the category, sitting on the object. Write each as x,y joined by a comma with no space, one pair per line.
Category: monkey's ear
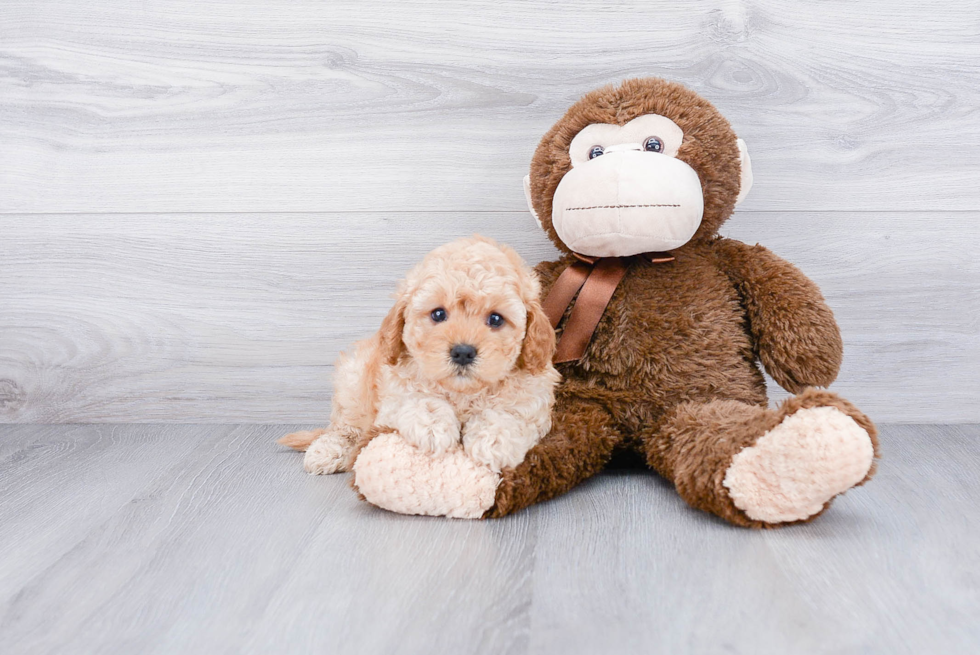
745,164
527,196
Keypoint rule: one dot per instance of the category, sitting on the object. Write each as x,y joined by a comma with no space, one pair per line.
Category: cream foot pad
795,468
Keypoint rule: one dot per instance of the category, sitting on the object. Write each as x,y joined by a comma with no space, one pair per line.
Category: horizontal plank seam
310,425
467,211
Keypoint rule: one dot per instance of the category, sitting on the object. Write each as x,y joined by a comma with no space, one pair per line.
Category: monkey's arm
793,329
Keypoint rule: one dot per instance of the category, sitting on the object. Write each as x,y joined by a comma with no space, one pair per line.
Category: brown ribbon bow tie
597,278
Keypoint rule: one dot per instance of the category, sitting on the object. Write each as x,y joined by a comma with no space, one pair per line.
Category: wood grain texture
212,318
857,580
202,202
197,318
60,482
210,539
246,106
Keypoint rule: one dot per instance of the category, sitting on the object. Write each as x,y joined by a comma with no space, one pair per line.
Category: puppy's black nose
462,354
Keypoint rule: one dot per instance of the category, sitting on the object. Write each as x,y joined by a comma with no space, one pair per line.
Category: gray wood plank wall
202,202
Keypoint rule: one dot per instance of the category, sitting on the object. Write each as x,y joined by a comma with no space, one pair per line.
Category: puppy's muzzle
462,354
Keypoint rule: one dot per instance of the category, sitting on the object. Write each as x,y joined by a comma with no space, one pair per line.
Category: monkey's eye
495,320
595,151
438,315
653,144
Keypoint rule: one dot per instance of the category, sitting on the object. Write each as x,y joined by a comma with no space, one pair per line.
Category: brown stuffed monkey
661,326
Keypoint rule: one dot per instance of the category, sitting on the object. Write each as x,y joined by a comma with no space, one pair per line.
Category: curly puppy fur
672,369
404,379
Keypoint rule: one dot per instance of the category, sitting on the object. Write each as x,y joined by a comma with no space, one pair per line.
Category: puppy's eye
438,315
653,144
595,151
495,320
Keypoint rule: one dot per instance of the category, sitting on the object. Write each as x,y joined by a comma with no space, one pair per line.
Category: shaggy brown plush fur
671,371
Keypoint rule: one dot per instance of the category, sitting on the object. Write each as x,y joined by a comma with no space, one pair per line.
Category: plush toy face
645,167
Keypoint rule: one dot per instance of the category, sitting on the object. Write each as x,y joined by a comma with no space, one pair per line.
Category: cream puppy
462,360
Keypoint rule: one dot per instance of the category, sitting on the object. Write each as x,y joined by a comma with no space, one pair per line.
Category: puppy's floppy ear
538,348
539,339
391,346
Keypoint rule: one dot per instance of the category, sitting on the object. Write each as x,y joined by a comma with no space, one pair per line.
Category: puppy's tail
300,440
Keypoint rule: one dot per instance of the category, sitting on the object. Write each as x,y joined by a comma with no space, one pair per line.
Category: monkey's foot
792,471
396,476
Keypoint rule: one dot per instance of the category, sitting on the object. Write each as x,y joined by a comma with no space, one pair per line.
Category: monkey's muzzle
626,202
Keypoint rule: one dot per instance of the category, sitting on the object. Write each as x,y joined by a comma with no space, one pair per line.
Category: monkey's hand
793,329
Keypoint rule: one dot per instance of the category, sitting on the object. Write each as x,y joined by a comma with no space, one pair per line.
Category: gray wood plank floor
210,539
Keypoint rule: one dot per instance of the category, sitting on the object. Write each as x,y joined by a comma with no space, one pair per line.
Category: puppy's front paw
328,454
496,440
434,429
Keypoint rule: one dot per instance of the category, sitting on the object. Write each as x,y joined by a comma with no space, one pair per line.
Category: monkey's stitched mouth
573,209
